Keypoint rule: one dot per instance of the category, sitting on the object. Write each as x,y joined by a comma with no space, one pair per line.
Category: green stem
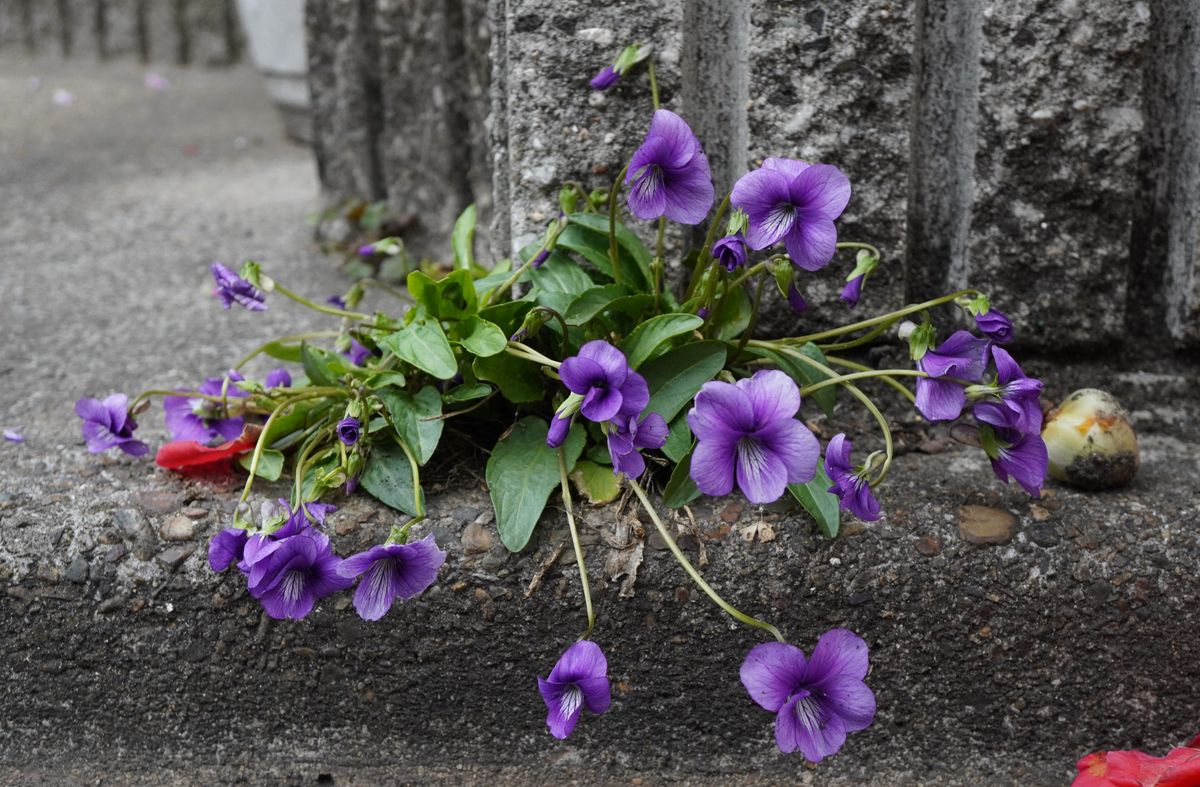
852,245
746,334
302,462
863,375
295,337
866,338
691,570
529,354
890,316
613,256
322,308
588,207
899,386
261,443
857,394
659,262
418,503
509,282
389,289
583,575
706,250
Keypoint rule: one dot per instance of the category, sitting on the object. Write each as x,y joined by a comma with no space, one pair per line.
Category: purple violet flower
259,545
745,430
795,202
278,378
366,250
628,434
392,571
579,678
358,354
1018,398
962,356
852,291
107,423
849,483
13,436
1020,455
607,77
559,428
669,175
601,375
226,548
817,701
702,312
348,430
730,251
197,419
539,258
232,288
301,570
336,300
796,299
996,325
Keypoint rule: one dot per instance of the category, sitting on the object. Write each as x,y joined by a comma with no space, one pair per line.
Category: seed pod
1090,441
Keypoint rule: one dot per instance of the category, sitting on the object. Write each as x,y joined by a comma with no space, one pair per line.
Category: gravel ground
125,661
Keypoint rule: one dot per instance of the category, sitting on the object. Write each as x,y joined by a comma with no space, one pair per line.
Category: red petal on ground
188,454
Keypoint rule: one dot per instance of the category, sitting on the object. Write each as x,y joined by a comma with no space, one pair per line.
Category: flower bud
1090,441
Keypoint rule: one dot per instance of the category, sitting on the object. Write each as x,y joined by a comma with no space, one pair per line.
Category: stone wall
204,32
1045,151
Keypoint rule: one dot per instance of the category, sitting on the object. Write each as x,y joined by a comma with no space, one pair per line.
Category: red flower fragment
184,455
1180,768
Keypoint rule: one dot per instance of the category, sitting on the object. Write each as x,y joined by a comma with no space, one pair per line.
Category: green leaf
734,315
521,473
424,345
593,247
283,352
519,381
384,379
312,488
388,477
820,502
462,240
288,421
675,377
411,413
681,489
449,298
270,464
596,482
319,365
630,248
558,282
679,439
498,275
466,393
640,345
507,315
480,337
608,298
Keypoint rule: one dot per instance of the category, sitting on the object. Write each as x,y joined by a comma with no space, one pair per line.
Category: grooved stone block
426,145
1058,143
78,27
341,60
554,126
121,28
1164,286
211,30
829,82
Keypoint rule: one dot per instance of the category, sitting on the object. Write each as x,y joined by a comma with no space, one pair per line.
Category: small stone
193,512
115,553
933,446
732,512
110,604
985,525
48,572
137,605
1038,513
177,528
928,546
482,595
345,528
159,502
78,570
476,539
1044,535
129,521
173,557
717,533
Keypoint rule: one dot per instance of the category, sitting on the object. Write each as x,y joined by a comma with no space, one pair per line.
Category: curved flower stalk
601,378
